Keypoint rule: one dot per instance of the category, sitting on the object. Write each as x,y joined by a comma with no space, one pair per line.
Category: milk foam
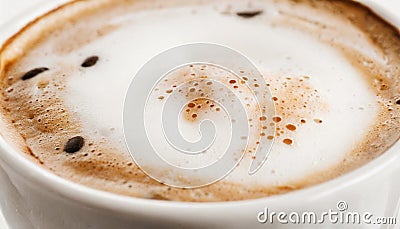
101,90
299,50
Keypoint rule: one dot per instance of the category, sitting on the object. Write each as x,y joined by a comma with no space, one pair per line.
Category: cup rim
107,200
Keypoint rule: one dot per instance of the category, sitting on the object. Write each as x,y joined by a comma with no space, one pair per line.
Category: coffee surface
332,68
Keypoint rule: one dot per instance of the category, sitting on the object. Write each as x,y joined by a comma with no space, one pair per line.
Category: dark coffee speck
74,144
34,72
249,14
90,61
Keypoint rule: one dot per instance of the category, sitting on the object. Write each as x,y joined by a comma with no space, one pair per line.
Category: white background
11,9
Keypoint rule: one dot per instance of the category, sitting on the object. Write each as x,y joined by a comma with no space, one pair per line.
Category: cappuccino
331,66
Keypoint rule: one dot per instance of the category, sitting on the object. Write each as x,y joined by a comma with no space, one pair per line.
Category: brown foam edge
7,62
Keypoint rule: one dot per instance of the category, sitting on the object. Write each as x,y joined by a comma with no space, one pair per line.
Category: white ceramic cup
32,197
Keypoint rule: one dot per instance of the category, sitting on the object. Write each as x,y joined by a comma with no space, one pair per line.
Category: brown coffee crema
37,121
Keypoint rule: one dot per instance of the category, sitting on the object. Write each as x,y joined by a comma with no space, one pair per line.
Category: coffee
332,68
